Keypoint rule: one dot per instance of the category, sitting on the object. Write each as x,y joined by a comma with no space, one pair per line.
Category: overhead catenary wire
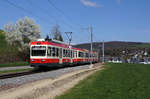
47,13
28,11
42,9
48,22
60,11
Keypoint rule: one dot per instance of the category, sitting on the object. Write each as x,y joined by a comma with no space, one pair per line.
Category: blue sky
125,20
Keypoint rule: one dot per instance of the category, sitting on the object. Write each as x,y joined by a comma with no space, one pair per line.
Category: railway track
11,81
18,74
11,75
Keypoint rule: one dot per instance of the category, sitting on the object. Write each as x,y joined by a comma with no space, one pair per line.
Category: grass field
117,81
141,46
14,64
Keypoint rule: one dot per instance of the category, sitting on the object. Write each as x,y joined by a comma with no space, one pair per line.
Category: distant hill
115,46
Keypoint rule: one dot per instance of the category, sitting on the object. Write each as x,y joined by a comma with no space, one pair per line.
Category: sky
112,20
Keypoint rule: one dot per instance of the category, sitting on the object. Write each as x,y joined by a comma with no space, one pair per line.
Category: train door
71,52
60,56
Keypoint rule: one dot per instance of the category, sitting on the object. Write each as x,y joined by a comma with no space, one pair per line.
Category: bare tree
47,38
57,33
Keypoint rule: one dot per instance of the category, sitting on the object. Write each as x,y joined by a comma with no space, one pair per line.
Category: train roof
58,45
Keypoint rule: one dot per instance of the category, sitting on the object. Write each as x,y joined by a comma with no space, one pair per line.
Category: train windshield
38,51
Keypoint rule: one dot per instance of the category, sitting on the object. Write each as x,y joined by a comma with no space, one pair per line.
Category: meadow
116,81
14,64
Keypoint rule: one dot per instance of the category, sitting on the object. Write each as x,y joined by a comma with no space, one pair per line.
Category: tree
2,36
57,33
22,33
47,38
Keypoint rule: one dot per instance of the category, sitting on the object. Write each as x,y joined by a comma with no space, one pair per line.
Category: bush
8,54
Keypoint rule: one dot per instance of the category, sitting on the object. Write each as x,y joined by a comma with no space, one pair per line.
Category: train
53,53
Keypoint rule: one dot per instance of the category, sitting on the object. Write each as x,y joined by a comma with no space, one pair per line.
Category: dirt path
48,88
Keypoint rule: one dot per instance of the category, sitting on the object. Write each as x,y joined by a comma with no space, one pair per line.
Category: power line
43,10
59,10
27,11
51,3
47,12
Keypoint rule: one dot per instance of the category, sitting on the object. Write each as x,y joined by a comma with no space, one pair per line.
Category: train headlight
32,60
43,60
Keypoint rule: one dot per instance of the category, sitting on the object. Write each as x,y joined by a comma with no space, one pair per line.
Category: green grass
117,81
15,71
14,64
141,46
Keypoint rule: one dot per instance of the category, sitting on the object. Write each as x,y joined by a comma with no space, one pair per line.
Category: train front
38,54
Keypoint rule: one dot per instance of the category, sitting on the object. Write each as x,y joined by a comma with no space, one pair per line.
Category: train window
60,52
80,54
87,55
49,51
38,51
53,51
68,53
64,53
90,55
71,54
57,52
76,54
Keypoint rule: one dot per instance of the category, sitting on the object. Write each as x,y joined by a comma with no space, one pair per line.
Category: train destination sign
38,47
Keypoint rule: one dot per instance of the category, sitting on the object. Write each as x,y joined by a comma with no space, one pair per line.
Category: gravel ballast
33,77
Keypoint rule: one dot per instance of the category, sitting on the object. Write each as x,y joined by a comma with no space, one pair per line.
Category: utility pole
103,48
91,33
91,30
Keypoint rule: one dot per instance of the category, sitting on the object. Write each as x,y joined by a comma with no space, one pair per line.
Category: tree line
15,39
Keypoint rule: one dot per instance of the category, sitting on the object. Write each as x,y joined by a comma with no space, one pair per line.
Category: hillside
113,44
114,48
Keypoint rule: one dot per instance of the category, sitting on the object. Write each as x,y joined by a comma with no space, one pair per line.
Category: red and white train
53,54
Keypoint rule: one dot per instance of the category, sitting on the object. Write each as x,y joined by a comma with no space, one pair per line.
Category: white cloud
91,3
118,1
